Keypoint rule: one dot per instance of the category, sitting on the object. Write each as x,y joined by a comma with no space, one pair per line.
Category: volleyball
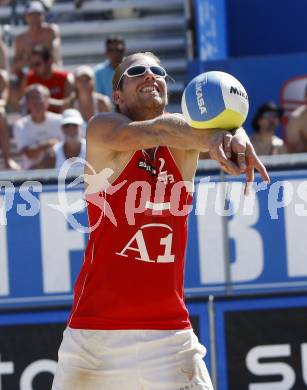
215,100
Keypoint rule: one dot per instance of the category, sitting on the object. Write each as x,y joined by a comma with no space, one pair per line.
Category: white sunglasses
139,70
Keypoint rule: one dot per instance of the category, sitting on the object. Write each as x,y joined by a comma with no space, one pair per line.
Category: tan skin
4,92
112,138
296,131
3,56
9,163
38,33
263,140
86,95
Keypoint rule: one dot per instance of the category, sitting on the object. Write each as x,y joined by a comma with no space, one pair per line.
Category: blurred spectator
3,56
38,131
59,82
89,102
72,147
38,33
115,51
78,3
296,130
4,90
265,123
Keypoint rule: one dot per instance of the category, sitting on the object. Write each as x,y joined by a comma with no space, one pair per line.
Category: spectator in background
38,131
4,91
115,51
73,146
87,101
38,33
265,123
296,130
3,56
59,82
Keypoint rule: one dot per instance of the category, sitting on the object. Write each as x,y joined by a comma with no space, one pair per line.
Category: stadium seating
157,26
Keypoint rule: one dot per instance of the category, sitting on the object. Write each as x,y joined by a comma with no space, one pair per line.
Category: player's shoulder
103,118
105,122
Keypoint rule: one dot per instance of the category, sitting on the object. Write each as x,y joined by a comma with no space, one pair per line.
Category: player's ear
116,97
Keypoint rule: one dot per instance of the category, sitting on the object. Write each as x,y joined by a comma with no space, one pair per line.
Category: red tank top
55,83
133,269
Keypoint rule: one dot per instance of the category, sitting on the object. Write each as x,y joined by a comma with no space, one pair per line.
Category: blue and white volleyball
215,100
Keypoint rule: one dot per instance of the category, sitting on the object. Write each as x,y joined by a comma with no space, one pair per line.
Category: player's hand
240,149
220,146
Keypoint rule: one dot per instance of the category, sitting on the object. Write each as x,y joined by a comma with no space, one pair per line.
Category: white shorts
131,360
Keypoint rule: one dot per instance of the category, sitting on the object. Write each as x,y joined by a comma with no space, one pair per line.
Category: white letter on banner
257,367
296,233
304,361
300,209
6,368
34,369
57,242
33,203
249,248
6,201
249,260
210,241
4,271
277,201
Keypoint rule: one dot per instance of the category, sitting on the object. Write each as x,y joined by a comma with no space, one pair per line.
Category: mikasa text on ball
215,100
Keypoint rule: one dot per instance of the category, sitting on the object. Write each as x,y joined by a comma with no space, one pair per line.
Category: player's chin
155,102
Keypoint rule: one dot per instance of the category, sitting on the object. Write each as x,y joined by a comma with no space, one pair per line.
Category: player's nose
149,75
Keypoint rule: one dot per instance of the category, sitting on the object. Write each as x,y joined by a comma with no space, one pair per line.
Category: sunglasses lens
158,71
139,70
136,70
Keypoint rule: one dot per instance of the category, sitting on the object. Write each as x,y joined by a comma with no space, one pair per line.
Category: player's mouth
150,89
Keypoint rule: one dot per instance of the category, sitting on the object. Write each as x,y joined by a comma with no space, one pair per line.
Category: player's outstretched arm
116,132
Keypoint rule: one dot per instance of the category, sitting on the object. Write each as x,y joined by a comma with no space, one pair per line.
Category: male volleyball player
129,328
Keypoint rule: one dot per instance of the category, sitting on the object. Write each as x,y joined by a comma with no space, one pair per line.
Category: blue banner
266,237
43,237
211,40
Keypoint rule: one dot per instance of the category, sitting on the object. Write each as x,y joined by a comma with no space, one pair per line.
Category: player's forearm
166,130
173,131
117,132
